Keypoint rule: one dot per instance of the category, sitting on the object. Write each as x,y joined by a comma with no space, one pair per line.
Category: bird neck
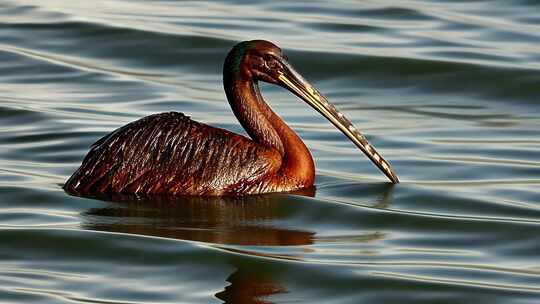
267,128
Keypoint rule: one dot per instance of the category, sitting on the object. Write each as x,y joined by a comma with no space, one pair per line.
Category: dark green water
447,91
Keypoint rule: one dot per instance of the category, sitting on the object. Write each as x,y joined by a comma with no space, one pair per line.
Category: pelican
168,153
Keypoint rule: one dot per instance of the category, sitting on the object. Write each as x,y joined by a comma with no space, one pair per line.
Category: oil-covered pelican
169,153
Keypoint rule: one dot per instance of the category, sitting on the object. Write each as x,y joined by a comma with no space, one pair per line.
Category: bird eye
272,63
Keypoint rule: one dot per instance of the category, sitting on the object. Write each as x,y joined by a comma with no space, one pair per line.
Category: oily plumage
170,153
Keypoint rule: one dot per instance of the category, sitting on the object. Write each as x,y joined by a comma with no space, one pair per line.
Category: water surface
447,91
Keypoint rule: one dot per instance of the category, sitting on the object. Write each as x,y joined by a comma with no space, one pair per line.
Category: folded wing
169,153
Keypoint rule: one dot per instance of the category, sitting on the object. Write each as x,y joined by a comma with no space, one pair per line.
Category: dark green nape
234,57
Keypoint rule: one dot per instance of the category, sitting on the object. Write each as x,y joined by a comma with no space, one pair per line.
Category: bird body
169,153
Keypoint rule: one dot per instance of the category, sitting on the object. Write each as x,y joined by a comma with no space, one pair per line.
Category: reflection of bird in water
239,220
244,220
170,153
250,287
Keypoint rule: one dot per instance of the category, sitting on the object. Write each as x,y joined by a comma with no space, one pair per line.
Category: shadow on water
243,220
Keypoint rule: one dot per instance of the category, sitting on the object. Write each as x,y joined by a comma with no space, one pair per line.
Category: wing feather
170,153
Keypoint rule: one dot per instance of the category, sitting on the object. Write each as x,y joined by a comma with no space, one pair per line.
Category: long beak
295,83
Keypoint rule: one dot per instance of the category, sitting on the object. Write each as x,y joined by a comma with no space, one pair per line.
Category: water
447,91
